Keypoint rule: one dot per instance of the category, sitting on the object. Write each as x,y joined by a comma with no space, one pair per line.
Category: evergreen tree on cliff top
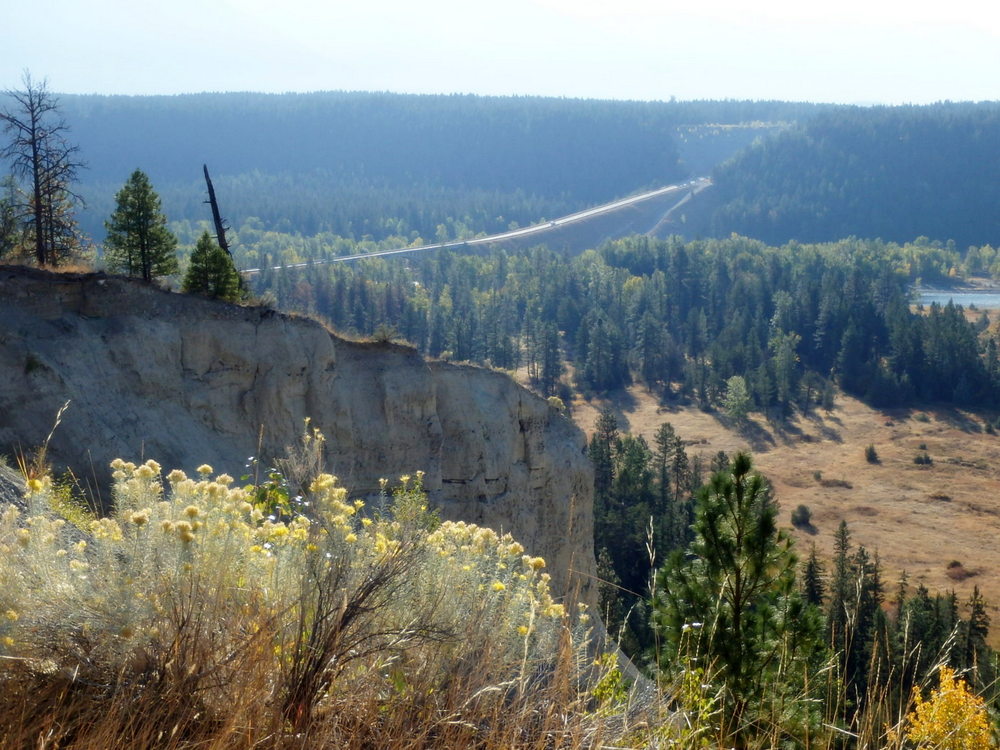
211,271
138,241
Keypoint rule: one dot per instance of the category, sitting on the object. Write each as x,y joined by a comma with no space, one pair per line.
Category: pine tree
609,594
630,512
866,643
840,590
737,399
828,396
138,241
813,588
551,365
902,587
211,271
920,637
665,504
730,606
601,452
976,650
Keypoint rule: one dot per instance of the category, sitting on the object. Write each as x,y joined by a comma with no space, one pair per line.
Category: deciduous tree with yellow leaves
952,718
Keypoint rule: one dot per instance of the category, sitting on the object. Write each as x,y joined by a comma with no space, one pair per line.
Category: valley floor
938,522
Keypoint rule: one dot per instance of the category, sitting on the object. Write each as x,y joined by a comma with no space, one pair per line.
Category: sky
849,51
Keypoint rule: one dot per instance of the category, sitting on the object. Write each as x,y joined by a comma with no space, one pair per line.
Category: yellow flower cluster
135,484
331,501
36,486
483,552
106,528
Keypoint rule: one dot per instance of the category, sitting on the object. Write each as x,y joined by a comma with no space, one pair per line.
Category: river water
983,300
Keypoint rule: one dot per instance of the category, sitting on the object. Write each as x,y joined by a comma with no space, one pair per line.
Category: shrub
921,417
802,517
385,334
871,455
923,459
32,363
958,572
836,483
201,612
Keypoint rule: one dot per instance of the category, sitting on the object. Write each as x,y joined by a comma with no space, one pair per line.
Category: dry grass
79,266
918,517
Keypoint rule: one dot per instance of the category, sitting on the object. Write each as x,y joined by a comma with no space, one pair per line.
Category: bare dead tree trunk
37,206
38,152
220,229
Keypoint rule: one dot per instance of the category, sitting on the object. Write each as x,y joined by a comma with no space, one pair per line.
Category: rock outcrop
152,374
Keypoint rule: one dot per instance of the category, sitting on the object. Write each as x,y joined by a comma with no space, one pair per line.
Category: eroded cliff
186,381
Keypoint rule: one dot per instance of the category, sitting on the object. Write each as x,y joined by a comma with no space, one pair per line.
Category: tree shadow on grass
824,430
620,403
807,527
759,437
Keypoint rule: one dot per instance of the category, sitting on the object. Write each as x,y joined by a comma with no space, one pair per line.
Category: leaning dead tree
220,227
220,231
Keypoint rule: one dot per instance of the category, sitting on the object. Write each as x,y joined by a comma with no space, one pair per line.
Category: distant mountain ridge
895,173
357,163
379,165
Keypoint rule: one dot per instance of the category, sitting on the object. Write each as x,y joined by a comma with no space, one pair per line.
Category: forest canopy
889,172
379,164
681,317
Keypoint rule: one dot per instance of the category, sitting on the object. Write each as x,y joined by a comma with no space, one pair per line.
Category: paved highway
686,188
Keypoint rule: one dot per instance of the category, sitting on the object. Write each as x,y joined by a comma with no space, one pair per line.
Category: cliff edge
153,374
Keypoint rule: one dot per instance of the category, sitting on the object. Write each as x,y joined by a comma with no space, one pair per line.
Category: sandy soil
920,519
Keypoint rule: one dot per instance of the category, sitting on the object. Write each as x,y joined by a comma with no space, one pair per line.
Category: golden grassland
922,519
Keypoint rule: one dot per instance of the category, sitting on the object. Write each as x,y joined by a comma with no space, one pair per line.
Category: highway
686,188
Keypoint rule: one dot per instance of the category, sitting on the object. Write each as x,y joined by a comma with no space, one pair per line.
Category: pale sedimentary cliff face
187,381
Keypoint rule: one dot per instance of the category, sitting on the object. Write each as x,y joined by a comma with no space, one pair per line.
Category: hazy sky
844,51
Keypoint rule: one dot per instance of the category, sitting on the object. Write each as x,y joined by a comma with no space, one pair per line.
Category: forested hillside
682,317
380,164
891,172
377,165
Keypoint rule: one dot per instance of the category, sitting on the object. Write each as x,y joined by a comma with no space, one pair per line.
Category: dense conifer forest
889,172
683,318
379,164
